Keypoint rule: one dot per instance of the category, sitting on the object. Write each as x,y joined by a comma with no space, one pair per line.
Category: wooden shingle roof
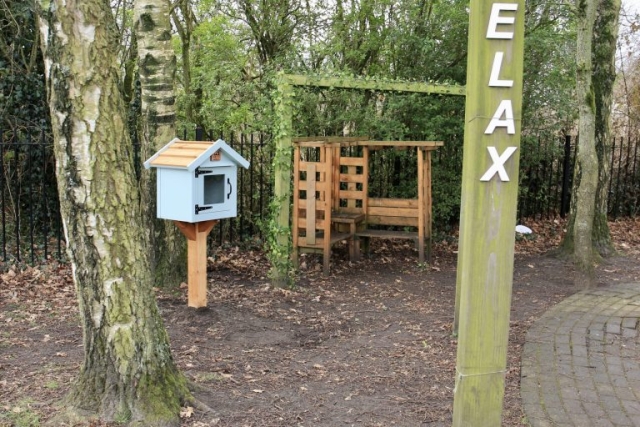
181,153
190,154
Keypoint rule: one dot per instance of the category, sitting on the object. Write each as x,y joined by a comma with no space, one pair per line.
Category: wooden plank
186,143
310,220
348,210
400,221
351,161
351,187
393,203
172,161
339,139
327,216
372,84
319,167
428,196
393,212
182,152
388,234
365,188
335,199
402,144
351,195
321,242
421,204
320,187
197,264
357,178
317,144
319,224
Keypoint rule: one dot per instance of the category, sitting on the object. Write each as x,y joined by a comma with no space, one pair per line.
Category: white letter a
505,108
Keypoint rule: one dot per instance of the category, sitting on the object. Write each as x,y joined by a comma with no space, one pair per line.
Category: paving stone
613,326
630,323
619,418
588,396
632,408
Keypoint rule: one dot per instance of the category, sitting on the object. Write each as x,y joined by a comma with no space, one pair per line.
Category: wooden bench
403,213
331,197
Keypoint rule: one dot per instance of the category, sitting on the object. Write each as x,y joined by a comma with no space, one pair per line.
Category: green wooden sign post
488,212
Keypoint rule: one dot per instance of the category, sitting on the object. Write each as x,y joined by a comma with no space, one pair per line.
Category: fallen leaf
186,412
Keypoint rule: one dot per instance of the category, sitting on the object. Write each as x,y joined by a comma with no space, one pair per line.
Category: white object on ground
523,230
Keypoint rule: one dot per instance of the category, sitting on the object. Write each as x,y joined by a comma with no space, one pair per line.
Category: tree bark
128,373
597,25
604,75
184,22
586,168
157,69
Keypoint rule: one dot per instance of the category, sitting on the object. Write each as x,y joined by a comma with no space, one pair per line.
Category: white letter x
498,164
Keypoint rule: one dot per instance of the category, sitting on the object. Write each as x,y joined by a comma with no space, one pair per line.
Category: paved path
581,361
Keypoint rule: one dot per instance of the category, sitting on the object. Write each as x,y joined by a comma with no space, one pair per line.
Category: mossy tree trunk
588,233
128,373
604,75
157,69
586,167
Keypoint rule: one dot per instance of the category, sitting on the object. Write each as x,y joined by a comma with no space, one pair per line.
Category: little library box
197,180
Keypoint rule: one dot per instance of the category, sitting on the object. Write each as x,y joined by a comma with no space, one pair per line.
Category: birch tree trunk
157,69
128,373
586,168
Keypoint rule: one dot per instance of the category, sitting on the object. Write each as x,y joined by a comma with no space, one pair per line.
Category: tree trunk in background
128,373
585,181
600,27
157,69
604,75
184,22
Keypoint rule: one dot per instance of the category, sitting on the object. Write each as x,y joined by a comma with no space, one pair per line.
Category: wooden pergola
280,250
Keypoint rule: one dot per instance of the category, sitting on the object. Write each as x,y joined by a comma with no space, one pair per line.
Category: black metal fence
30,224
31,230
546,173
29,209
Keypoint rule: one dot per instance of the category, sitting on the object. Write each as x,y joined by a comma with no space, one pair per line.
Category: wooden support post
488,210
196,234
295,254
328,182
421,203
281,247
311,204
429,204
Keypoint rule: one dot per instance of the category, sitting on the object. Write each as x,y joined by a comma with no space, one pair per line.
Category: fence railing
546,175
31,230
29,208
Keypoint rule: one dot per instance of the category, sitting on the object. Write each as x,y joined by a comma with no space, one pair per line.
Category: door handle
230,188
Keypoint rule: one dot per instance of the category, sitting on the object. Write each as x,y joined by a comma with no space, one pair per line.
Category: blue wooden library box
197,180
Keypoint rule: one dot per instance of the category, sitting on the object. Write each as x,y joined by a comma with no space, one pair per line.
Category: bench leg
365,245
326,262
421,250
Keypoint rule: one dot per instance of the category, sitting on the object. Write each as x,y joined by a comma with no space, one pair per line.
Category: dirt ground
371,345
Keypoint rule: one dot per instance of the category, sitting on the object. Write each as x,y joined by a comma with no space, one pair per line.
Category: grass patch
19,415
